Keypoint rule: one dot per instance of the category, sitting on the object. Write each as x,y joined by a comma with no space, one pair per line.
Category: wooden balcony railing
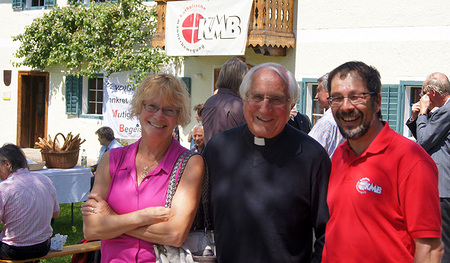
270,28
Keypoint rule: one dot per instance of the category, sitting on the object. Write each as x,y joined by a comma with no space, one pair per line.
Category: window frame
408,87
20,5
77,97
306,102
87,99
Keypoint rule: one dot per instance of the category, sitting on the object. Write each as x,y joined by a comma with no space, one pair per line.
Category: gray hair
287,77
439,82
197,126
324,81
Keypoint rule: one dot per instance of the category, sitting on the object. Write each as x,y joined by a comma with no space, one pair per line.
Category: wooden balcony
270,29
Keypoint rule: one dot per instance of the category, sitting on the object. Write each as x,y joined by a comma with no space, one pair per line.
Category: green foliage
88,39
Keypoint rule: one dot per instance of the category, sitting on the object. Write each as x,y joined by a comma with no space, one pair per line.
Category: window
95,96
415,93
84,97
32,4
37,2
307,104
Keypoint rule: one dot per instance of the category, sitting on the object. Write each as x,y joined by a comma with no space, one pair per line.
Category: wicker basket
67,159
60,160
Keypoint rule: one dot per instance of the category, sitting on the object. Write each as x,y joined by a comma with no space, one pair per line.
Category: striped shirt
326,132
27,203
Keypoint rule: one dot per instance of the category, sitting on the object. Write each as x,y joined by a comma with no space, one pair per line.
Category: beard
356,132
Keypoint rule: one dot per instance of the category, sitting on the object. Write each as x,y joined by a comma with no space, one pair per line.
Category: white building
404,40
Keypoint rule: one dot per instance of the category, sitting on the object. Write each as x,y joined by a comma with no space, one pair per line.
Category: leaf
89,39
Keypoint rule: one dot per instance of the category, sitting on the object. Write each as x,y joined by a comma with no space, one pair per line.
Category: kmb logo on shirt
364,185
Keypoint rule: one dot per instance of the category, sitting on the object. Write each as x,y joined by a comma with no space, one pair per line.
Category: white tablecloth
72,185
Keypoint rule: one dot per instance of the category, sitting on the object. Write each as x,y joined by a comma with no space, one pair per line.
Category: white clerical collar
259,141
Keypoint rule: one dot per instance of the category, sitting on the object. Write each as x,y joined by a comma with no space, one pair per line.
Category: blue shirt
112,145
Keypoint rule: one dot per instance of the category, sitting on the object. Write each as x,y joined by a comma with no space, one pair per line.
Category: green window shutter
49,3
187,81
17,4
301,103
74,87
391,106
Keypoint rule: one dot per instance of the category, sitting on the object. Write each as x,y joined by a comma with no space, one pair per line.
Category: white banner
205,28
116,106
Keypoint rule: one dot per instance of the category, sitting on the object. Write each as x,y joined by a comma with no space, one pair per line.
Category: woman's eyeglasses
154,109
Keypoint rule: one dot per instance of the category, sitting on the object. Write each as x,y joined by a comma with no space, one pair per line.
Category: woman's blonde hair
170,89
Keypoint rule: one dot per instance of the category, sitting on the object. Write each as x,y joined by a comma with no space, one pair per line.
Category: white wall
404,40
13,23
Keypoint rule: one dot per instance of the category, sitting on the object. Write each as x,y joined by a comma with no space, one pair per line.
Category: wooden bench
67,250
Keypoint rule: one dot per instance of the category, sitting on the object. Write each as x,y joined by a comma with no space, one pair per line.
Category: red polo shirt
381,201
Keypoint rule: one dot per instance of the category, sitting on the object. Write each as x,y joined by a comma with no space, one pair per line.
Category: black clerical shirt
266,200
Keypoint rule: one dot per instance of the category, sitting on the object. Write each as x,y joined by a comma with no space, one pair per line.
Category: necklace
144,173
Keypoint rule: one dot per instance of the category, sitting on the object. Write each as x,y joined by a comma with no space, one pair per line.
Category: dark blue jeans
35,251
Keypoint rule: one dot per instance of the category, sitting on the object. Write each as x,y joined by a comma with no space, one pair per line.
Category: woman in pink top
126,207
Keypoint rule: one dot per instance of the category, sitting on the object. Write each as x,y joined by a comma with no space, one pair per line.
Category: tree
89,39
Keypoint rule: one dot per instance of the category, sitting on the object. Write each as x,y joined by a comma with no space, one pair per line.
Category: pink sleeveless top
125,197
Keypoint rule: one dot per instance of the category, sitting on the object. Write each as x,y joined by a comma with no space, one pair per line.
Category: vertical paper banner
118,93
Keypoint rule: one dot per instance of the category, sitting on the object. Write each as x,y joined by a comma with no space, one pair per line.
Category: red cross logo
189,28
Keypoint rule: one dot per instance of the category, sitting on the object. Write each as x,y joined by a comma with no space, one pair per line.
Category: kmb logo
195,28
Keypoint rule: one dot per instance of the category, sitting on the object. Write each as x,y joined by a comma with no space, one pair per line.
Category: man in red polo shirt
383,193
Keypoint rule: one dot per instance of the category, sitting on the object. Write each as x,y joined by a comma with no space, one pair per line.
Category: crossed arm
153,224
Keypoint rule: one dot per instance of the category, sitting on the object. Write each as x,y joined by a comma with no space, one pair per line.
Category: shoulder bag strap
173,182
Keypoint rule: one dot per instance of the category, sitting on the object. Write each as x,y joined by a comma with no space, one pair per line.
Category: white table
72,185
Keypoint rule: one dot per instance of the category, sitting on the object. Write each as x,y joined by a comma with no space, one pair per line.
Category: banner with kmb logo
205,28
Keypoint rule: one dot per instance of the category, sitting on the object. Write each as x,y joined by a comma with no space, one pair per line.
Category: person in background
383,193
28,203
223,111
268,179
299,120
107,141
433,134
198,137
326,131
197,110
126,207
411,123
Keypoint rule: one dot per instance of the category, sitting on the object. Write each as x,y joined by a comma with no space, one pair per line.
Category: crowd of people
348,189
